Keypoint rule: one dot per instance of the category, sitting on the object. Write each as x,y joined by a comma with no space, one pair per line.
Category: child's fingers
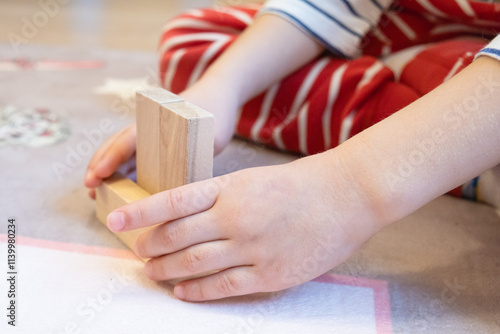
90,175
117,150
227,283
121,150
165,206
177,235
98,154
203,258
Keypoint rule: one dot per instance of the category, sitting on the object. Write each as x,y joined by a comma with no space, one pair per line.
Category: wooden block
114,193
186,145
174,147
148,155
174,142
159,96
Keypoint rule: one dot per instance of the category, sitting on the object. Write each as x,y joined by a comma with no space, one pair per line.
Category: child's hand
116,150
266,228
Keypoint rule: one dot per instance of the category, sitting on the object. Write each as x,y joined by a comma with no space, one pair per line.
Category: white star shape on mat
124,88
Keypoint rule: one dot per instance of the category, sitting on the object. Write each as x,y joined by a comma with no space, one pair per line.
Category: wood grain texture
148,155
186,145
114,193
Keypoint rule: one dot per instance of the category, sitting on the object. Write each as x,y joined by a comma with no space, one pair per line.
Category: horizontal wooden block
114,193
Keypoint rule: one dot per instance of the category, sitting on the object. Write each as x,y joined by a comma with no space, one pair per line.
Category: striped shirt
332,99
340,25
337,24
492,49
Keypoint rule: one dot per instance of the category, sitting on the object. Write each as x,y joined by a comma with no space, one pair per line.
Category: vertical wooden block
174,142
148,155
186,145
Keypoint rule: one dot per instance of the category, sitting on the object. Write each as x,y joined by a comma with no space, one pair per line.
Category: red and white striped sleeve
492,49
337,24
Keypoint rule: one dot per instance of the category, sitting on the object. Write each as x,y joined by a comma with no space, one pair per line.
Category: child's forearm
442,140
270,49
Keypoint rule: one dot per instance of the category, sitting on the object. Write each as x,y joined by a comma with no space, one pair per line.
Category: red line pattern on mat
380,289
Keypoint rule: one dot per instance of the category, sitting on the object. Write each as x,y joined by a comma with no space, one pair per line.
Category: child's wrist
226,88
330,185
353,185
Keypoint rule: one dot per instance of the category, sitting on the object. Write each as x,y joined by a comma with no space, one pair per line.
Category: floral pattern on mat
33,127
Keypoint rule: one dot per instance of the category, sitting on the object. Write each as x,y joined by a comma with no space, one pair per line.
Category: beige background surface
131,25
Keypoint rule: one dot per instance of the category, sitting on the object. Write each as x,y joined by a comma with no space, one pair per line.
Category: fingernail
116,221
179,292
89,175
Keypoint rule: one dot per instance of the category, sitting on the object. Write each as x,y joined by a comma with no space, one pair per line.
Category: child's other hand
116,150
265,229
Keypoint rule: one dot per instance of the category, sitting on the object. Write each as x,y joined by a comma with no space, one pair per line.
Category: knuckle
228,285
192,260
141,248
202,295
140,214
158,270
167,237
174,198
